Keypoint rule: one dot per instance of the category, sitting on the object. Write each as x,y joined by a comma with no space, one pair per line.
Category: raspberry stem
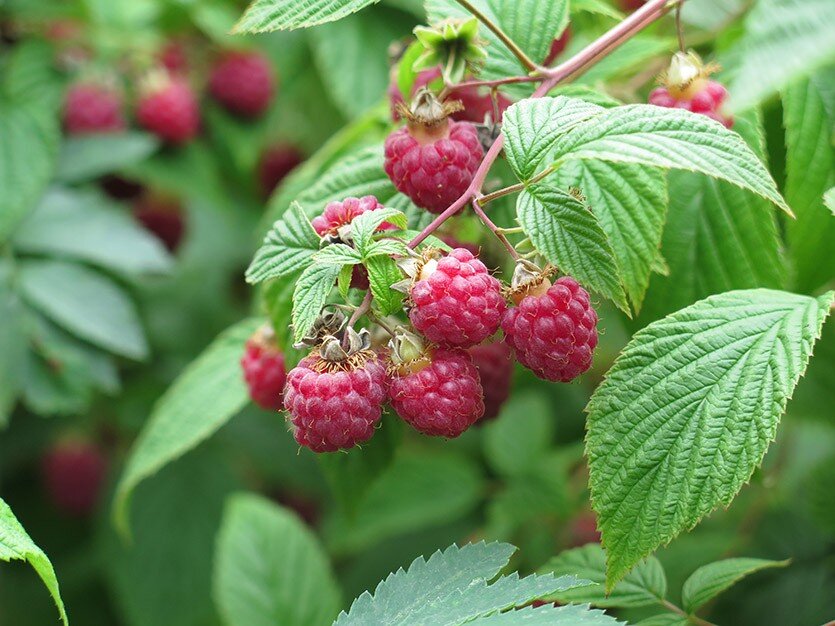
494,229
505,39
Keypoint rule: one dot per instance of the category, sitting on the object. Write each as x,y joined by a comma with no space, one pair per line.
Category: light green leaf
382,274
343,281
665,619
643,586
784,40
829,200
598,7
570,236
85,303
548,615
16,545
515,443
86,226
13,340
809,118
364,226
710,580
687,411
270,569
453,587
87,157
387,247
337,254
630,202
268,15
310,295
204,397
287,248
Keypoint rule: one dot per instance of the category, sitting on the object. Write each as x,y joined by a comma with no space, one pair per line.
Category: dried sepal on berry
331,322
528,280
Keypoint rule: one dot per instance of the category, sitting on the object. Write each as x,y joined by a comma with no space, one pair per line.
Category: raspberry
243,83
558,46
452,242
335,405
440,395
162,216
495,370
632,5
477,105
583,530
337,214
263,366
169,109
455,301
92,108
687,86
73,472
173,57
396,100
276,162
553,334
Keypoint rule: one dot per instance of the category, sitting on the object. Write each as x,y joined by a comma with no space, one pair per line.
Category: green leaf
364,226
278,298
531,128
312,290
337,254
13,340
85,303
204,397
809,117
548,615
382,274
626,60
784,40
643,586
87,157
29,135
16,545
631,203
287,248
570,236
453,587
343,281
687,411
710,580
268,15
86,226
669,138
515,443
829,200
387,247
665,619
270,569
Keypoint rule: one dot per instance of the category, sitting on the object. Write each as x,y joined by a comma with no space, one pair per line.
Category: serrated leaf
784,40
87,157
337,254
391,247
548,615
310,295
643,586
343,281
382,274
268,15
570,237
710,580
17,545
204,397
672,139
630,201
270,569
364,226
287,248
451,588
687,411
85,303
278,298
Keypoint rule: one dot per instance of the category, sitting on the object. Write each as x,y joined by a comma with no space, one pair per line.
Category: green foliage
287,248
382,274
87,157
687,411
709,581
311,293
267,15
270,569
16,545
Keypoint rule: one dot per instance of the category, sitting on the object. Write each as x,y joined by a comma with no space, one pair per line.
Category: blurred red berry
73,473
93,108
163,216
583,530
263,367
276,162
243,83
170,110
173,57
558,46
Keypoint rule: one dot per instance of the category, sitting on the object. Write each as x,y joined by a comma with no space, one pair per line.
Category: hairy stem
507,41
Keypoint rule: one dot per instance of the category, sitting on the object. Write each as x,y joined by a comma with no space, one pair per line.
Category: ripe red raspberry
494,362
264,373
163,216
93,108
455,301
477,104
337,214
170,110
687,86
335,406
276,162
558,46
173,56
453,242
73,473
243,83
553,334
439,395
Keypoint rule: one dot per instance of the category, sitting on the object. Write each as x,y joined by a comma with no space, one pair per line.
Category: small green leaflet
454,587
710,580
570,237
382,274
364,226
286,249
337,254
687,411
268,15
16,545
312,290
643,586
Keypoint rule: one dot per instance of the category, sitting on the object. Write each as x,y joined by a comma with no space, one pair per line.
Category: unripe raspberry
73,473
169,109
494,362
243,83
276,162
433,160
455,301
163,216
553,333
93,108
335,405
558,46
440,395
264,373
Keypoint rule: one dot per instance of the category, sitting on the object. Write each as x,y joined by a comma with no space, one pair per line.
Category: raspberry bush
490,271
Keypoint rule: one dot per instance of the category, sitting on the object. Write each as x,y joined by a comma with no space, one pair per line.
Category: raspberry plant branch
694,619
494,229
